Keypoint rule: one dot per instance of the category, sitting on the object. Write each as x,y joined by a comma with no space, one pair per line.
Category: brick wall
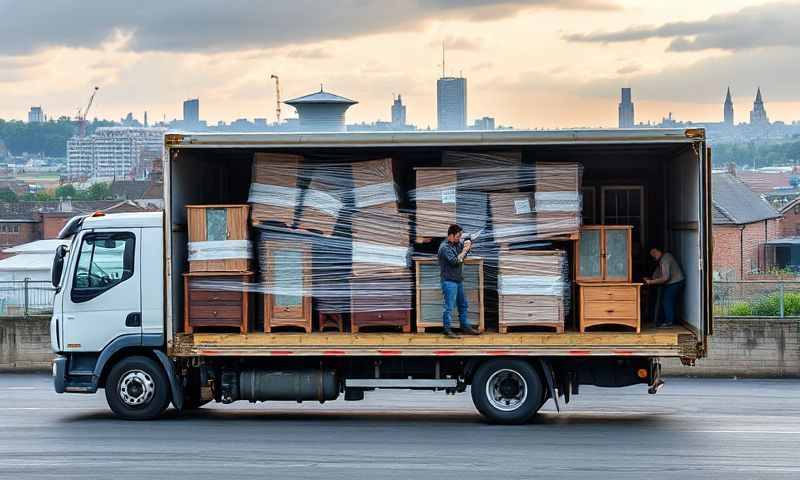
52,223
25,343
790,225
747,347
736,248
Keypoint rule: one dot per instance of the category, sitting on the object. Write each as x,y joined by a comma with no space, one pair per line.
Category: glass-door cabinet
603,254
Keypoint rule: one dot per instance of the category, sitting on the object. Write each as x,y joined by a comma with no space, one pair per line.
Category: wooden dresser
609,304
207,306
429,293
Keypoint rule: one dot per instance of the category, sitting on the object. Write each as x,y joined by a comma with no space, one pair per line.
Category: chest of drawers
216,300
609,304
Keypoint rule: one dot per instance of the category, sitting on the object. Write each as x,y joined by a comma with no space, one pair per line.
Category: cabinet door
288,279
617,254
590,266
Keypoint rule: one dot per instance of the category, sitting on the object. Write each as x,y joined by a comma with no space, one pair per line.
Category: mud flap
548,376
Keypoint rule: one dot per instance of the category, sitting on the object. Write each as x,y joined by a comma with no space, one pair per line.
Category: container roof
25,262
39,246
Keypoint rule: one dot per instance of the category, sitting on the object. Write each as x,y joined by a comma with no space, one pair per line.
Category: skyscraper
728,109
191,111
36,115
758,116
626,119
398,112
451,103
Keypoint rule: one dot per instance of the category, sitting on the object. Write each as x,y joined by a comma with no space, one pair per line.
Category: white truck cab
109,298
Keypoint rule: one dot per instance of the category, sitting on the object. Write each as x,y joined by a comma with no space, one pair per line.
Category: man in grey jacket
452,253
669,275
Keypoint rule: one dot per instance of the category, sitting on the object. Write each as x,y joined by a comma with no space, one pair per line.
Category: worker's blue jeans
669,302
452,294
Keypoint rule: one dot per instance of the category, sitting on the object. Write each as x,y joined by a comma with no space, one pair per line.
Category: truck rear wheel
507,391
137,389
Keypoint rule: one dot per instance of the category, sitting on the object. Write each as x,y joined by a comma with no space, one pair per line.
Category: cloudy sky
536,63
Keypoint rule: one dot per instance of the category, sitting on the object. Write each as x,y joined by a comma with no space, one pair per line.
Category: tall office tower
728,109
626,109
191,112
36,115
758,116
451,103
398,112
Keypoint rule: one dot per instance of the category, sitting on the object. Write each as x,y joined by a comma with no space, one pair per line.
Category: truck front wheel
137,388
507,391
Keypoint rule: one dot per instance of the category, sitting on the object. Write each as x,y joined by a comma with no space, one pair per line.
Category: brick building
25,222
743,223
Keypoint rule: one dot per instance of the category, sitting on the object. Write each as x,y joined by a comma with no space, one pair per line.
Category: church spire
758,96
727,110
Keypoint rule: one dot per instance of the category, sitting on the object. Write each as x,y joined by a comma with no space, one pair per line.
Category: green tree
65,191
8,195
99,191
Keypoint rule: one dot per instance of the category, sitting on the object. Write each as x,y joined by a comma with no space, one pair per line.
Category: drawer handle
214,313
380,315
610,311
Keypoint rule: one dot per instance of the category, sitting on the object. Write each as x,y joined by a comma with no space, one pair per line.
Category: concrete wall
747,347
25,343
740,347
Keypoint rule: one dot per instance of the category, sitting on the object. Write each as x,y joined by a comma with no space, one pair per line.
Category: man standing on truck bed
452,252
668,273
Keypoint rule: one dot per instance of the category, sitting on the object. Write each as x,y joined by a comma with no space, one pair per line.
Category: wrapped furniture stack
533,289
381,283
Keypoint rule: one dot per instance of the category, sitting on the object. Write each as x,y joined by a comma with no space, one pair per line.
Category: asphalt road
727,429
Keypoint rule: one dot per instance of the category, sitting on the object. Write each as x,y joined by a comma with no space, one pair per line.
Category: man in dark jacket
452,253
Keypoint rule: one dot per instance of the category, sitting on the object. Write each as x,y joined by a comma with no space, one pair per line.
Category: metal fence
757,298
742,298
26,297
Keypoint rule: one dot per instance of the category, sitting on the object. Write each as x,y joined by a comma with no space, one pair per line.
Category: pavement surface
709,429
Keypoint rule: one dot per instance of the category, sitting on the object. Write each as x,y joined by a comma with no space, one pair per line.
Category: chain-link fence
26,298
757,299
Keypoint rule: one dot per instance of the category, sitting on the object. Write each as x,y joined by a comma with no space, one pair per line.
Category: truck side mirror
58,264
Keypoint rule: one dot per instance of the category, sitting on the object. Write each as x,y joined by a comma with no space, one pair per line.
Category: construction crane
82,115
277,97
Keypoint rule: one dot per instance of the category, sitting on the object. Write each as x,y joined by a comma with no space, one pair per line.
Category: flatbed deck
671,342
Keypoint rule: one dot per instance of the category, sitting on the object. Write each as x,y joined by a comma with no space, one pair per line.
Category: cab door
102,298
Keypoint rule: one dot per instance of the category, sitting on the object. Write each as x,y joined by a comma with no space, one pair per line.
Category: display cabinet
209,226
603,254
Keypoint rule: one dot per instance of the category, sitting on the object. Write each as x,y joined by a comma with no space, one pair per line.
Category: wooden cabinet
603,254
609,304
429,294
211,224
286,272
216,300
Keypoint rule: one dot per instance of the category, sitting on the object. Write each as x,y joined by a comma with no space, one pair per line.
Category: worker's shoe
470,331
450,334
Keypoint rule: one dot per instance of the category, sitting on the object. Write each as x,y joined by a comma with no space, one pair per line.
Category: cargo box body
656,180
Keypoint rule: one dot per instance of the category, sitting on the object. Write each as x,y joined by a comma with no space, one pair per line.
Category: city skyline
571,79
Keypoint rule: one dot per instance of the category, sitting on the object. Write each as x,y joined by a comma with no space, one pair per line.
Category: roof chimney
65,205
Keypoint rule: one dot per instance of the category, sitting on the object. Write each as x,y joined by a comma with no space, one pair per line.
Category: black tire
520,389
137,388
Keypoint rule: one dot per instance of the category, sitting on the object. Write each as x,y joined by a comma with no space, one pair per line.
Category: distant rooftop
736,204
320,97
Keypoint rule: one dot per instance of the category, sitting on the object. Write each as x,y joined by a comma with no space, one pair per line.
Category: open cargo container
662,175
